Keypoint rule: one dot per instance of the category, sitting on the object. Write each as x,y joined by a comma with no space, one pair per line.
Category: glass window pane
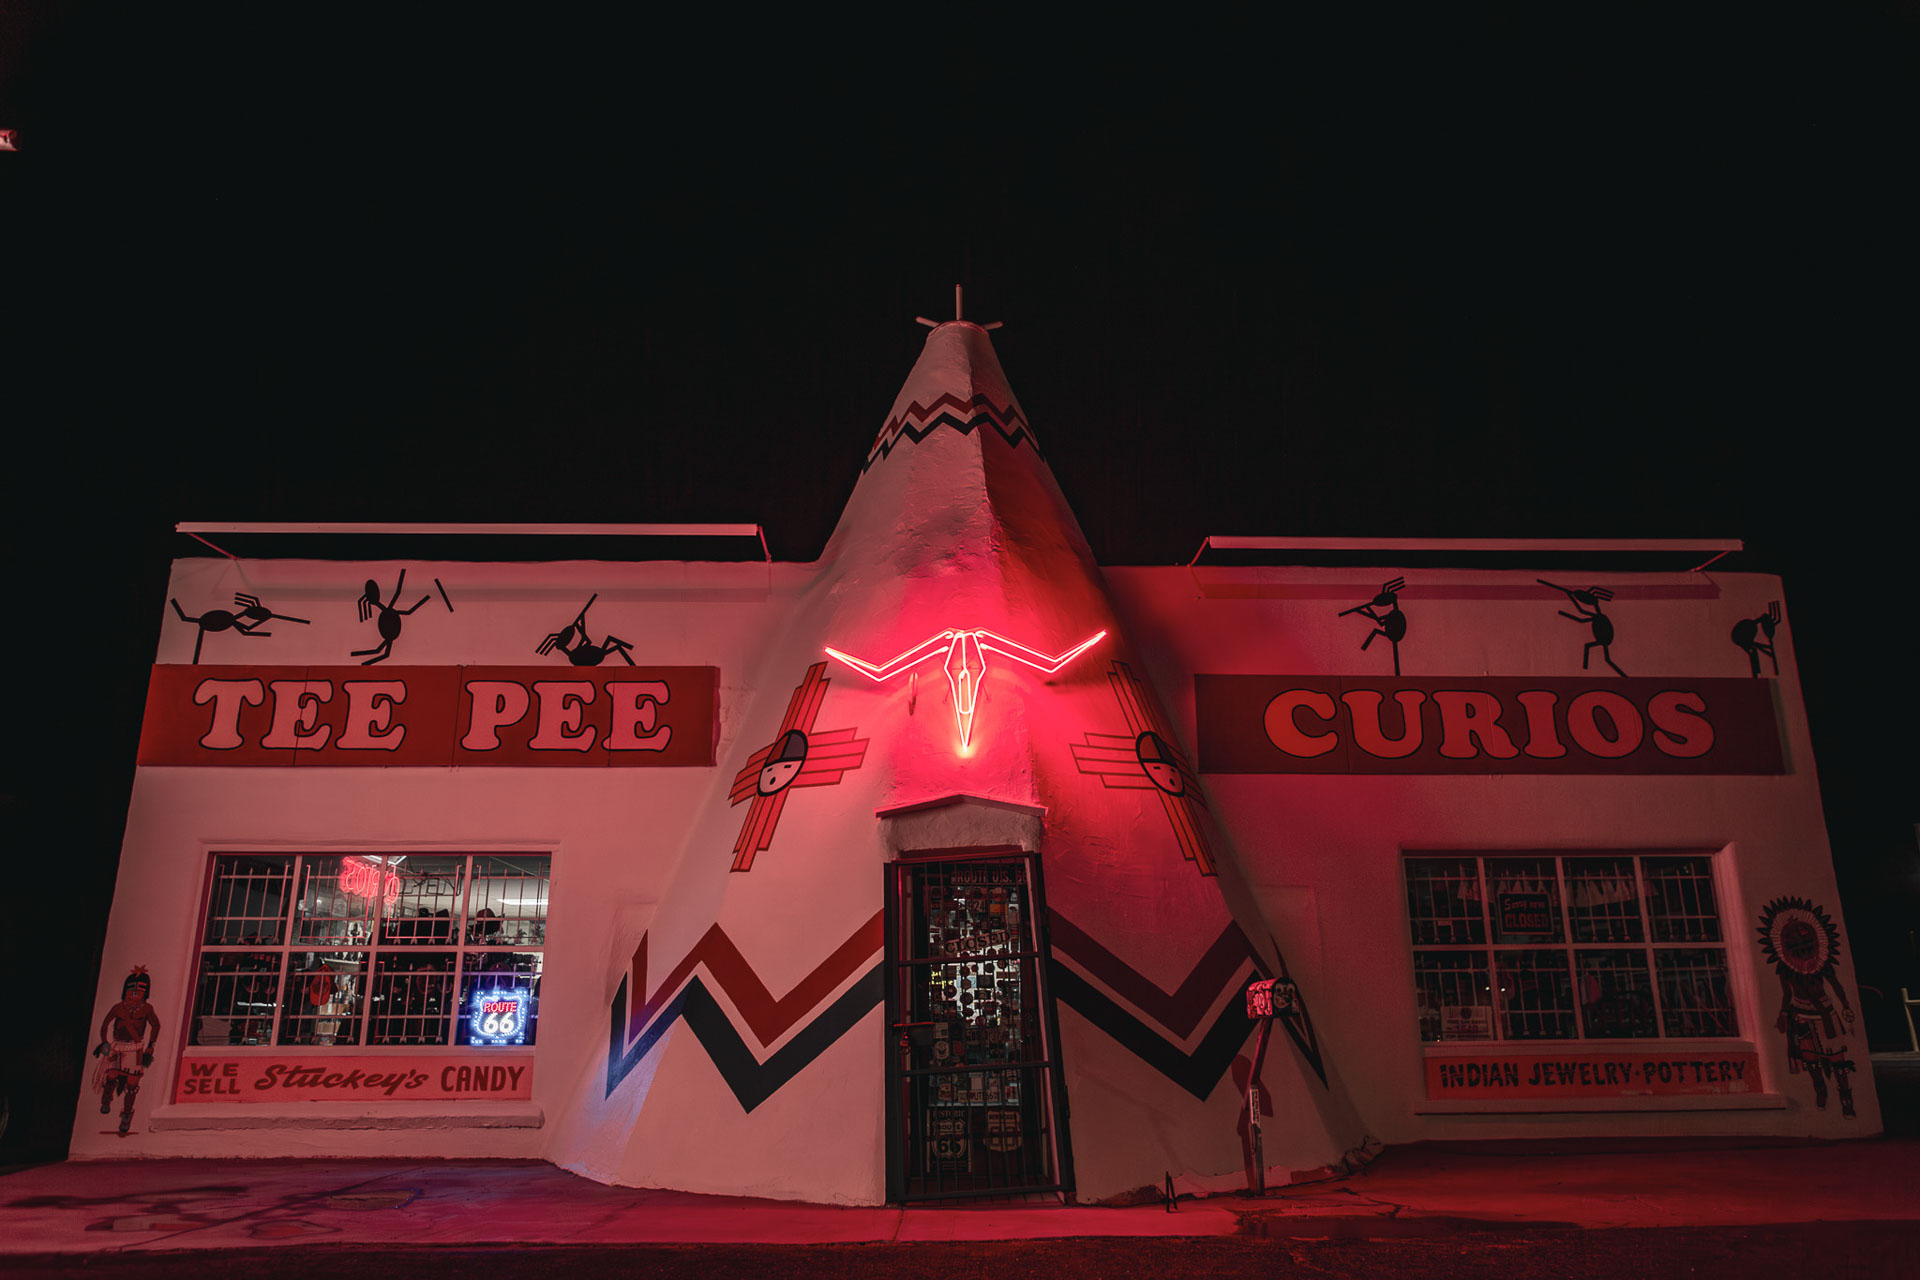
340,898
1536,995
515,975
1453,995
426,906
1443,901
1680,899
1616,995
507,901
403,915
1603,900
323,998
248,902
1525,904
1694,994
233,999
974,920
412,1000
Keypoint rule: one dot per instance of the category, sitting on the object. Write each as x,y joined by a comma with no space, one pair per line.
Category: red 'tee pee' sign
428,716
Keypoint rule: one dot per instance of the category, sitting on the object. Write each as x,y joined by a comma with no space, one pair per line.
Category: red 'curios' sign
1485,724
430,716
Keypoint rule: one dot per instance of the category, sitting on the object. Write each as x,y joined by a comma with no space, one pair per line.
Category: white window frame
287,946
1570,947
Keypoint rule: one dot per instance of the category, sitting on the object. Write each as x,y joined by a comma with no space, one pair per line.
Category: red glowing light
966,665
369,879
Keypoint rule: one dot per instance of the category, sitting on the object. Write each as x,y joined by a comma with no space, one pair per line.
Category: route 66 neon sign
498,1017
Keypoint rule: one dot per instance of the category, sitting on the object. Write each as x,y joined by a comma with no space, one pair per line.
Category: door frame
1059,1135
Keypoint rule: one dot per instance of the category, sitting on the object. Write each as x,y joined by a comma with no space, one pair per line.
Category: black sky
1638,279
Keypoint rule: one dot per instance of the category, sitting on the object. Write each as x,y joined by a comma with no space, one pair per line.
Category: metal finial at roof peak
958,315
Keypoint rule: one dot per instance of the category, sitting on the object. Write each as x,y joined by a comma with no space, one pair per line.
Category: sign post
1264,999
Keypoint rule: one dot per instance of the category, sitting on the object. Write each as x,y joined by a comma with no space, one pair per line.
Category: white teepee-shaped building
855,953
892,876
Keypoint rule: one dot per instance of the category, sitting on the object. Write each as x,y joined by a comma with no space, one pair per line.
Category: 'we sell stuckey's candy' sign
368,1078
431,716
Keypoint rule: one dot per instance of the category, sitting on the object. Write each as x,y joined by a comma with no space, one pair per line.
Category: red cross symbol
1146,757
797,757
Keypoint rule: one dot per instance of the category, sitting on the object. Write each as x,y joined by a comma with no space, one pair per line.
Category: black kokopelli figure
1588,603
1747,633
369,603
247,622
580,651
1392,624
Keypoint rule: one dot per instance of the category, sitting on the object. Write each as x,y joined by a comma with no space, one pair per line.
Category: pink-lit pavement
142,1205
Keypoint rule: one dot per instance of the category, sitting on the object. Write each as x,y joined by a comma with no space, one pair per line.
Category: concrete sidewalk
141,1205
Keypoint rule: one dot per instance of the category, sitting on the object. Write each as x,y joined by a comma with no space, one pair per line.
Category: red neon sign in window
966,665
368,880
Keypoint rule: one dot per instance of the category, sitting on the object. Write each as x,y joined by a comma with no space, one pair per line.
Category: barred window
1544,947
328,950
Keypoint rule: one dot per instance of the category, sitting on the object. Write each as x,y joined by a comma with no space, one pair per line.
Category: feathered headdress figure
1796,935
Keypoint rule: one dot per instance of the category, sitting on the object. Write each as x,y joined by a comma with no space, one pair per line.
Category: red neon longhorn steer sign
966,665
797,757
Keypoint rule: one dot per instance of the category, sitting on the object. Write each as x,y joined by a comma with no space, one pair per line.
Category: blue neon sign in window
499,1016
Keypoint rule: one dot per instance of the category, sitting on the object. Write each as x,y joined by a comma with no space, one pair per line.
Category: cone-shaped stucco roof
956,528
956,521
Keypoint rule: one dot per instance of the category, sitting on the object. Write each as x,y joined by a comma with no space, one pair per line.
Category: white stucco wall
1335,842
616,835
1319,856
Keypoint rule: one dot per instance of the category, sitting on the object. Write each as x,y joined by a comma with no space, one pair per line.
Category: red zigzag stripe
1178,1011
767,1017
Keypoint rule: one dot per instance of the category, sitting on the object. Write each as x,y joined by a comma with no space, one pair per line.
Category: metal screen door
975,1103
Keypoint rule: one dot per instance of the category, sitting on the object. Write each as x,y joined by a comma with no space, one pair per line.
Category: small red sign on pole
1265,998
1270,996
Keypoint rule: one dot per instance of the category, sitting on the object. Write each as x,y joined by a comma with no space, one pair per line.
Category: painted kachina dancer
1392,624
582,652
1747,633
390,617
127,1036
1588,603
252,616
1803,944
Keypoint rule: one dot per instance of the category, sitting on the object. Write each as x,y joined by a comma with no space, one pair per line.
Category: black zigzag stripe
964,426
620,1065
1197,1072
991,417
751,1080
